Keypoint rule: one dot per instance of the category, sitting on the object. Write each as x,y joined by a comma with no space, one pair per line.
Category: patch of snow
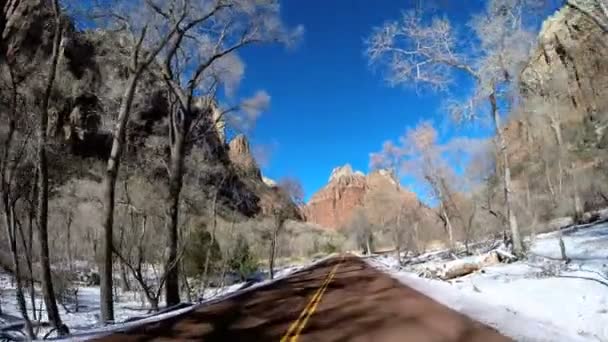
270,182
84,324
344,171
539,299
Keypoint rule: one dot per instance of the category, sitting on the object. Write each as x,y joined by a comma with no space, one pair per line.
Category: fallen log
459,268
458,271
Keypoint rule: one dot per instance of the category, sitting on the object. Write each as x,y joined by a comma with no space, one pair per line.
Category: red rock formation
333,206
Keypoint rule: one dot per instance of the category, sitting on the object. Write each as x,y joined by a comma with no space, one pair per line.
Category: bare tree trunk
528,194
557,131
124,278
417,236
226,257
562,246
69,241
8,212
397,236
9,222
273,247
578,207
549,182
186,286
153,303
448,224
27,247
469,227
208,252
560,174
43,186
109,197
176,169
518,248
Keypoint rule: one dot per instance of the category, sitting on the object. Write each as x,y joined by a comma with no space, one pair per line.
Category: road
341,299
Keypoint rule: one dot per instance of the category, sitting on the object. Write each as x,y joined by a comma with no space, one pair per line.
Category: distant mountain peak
334,205
345,171
386,173
270,182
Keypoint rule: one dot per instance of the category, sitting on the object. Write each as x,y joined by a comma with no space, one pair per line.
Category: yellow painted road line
310,309
295,324
314,307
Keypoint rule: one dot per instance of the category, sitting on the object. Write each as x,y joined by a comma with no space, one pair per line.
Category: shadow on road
359,303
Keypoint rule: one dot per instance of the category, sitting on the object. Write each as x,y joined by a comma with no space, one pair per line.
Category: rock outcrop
570,65
272,197
334,205
240,154
93,70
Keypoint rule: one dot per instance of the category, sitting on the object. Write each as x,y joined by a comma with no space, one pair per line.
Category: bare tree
43,180
293,190
136,259
290,195
198,59
420,155
139,221
361,230
9,164
548,99
391,210
148,33
214,213
428,53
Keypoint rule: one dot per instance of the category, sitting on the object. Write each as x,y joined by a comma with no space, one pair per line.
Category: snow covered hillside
539,299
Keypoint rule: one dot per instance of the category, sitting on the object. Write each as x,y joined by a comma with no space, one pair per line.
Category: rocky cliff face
570,65
271,195
92,73
240,154
334,205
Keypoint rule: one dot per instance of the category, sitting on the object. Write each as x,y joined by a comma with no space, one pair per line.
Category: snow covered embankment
539,299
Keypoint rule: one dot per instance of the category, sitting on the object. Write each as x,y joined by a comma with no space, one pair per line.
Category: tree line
531,169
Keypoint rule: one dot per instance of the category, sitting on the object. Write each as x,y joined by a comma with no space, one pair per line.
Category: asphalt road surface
341,299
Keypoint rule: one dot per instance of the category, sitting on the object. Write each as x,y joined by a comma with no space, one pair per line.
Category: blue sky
328,106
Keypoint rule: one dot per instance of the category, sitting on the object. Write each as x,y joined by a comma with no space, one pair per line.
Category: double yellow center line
293,333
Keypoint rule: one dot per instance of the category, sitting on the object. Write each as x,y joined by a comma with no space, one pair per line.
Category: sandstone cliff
334,205
564,97
570,68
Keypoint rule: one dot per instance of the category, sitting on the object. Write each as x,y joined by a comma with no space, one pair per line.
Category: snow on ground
235,290
539,299
128,305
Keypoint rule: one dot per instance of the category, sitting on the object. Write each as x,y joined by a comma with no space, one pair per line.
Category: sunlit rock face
333,206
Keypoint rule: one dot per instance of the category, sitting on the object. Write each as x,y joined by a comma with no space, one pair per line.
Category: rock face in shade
92,73
334,205
270,194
